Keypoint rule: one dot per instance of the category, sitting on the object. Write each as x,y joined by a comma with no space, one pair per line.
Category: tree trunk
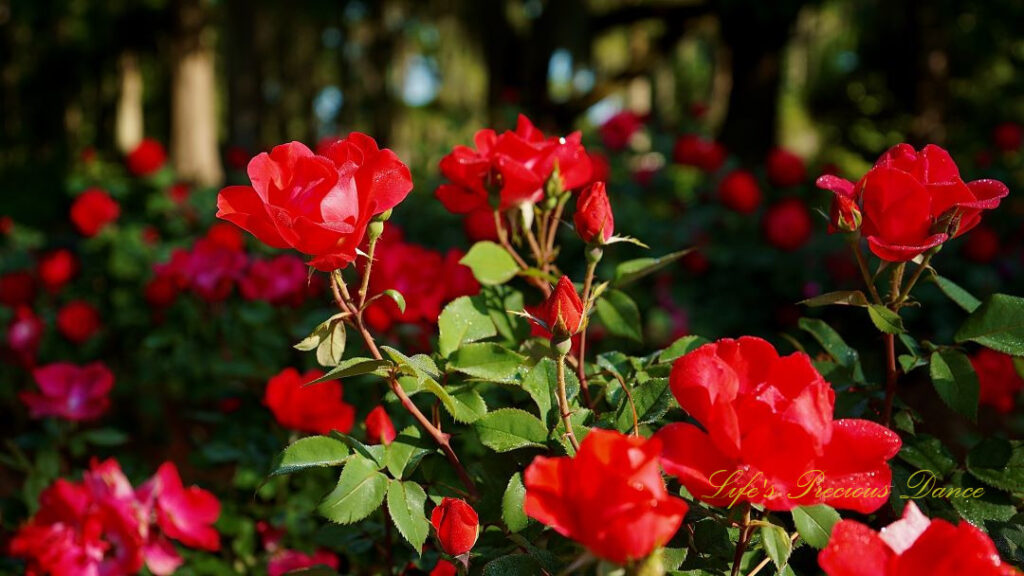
129,127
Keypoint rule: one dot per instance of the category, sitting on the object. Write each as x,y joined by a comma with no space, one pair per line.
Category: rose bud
148,157
379,428
563,311
593,219
78,321
93,210
787,224
739,192
785,169
457,526
444,568
56,268
844,215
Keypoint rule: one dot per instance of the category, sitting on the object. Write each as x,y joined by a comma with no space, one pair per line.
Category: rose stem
366,273
581,370
863,265
792,538
890,347
541,284
563,403
905,293
741,546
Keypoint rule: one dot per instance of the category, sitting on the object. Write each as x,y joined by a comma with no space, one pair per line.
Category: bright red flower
183,514
317,409
911,546
600,170
768,424
479,225
317,204
617,130
78,321
998,380
93,210
740,192
179,192
281,280
844,215
17,289
70,392
444,568
913,201
784,168
787,224
379,428
456,524
982,245
148,157
562,312
593,218
694,150
1008,136
610,497
56,268
211,267
286,561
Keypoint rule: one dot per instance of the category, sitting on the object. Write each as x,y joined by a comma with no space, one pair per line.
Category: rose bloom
740,192
912,546
593,218
317,204
785,169
317,409
161,290
93,210
148,157
56,268
768,435
479,225
619,129
444,568
24,333
184,514
562,312
17,289
694,150
610,497
70,392
999,382
787,224
211,267
78,321
912,201
285,561
282,280
456,524
379,428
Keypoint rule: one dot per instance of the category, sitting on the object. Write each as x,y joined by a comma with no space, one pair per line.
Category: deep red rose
562,312
210,269
78,321
56,268
226,236
458,278
785,169
1008,136
379,428
17,289
787,224
70,392
911,546
694,150
281,280
319,205
619,129
161,291
844,215
444,568
183,514
148,157
593,219
93,210
982,245
179,193
998,380
610,497
740,192
913,201
285,561
600,170
317,409
480,225
456,524
767,421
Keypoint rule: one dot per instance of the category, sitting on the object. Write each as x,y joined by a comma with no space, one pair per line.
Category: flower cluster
70,392
317,408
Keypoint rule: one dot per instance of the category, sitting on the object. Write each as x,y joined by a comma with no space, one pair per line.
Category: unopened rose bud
457,526
593,219
845,215
379,428
563,311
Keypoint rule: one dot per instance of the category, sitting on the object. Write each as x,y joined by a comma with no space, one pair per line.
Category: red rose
444,568
911,546
739,192
56,268
562,312
600,170
379,428
148,157
610,497
70,392
593,219
479,225
844,216
280,281
161,291
982,246
318,205
183,514
24,334
457,526
913,201
317,409
1008,136
617,130
78,321
785,169
179,192
225,236
693,150
93,210
17,289
787,224
998,380
458,278
286,561
767,420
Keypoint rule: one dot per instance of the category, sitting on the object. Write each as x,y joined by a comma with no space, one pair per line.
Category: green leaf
397,297
651,399
681,347
620,315
1009,538
465,407
310,452
318,335
373,453
512,504
955,381
510,429
998,462
962,297
405,505
777,544
840,297
490,263
513,565
105,437
332,347
353,367
885,320
463,320
979,510
831,341
928,453
487,361
538,383
633,270
997,324
405,451
360,491
814,523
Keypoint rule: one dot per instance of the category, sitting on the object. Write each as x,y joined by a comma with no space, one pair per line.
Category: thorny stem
741,546
503,240
553,228
581,370
538,254
890,346
863,265
905,293
563,403
442,439
366,273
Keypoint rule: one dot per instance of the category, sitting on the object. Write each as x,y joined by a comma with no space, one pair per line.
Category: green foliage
490,263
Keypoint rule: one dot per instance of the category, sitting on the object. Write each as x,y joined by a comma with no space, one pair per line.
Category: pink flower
24,333
285,561
183,514
280,280
70,392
